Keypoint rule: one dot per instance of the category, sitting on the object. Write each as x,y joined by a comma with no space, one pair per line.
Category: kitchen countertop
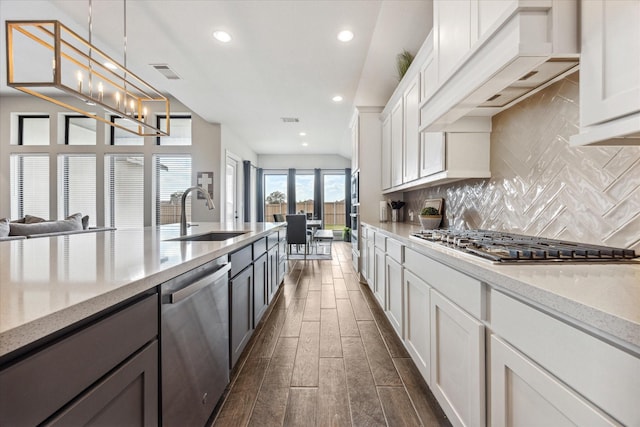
603,299
47,284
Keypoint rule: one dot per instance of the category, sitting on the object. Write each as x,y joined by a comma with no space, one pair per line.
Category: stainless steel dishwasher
195,343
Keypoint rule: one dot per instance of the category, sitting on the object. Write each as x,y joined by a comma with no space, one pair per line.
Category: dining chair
278,217
297,233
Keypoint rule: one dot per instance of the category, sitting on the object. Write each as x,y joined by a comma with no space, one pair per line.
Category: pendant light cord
90,49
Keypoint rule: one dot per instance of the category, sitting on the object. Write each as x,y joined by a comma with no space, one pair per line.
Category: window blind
77,185
29,185
172,177
124,190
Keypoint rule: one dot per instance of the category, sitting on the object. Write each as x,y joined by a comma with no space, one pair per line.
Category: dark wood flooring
327,356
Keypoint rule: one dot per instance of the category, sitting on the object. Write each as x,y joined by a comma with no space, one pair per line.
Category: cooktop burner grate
505,247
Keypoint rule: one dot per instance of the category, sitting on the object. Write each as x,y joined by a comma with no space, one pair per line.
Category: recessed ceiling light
337,98
345,36
302,134
222,36
110,66
304,144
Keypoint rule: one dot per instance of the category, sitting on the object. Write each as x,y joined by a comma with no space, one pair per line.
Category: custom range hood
531,45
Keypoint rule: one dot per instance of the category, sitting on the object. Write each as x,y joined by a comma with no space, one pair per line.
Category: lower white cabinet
457,362
393,271
379,278
371,263
416,322
523,394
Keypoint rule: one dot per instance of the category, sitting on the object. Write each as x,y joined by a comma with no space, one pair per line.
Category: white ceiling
284,59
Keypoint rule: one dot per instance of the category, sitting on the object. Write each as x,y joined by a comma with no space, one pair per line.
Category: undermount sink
214,236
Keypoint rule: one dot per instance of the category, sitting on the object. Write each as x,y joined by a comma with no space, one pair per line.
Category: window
304,193
124,190
77,185
172,177
29,185
333,195
180,128
275,200
79,130
33,130
123,137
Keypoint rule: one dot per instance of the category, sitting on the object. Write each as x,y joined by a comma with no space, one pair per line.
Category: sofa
32,227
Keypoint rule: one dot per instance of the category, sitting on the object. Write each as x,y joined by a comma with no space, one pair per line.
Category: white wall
307,161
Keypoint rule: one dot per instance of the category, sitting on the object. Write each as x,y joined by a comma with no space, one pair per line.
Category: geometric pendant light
46,59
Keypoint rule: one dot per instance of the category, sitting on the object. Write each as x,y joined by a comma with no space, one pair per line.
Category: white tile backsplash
542,186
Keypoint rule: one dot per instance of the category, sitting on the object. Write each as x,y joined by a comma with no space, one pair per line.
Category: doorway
233,191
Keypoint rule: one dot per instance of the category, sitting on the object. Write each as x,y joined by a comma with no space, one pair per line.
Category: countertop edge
613,329
38,329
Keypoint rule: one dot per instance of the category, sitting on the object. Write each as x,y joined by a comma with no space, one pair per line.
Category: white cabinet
522,394
393,270
416,322
610,73
370,263
457,362
355,144
432,153
379,278
411,149
397,135
386,153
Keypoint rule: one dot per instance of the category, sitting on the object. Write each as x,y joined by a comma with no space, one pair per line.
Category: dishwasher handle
186,292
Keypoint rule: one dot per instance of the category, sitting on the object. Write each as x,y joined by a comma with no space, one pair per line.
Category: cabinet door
273,272
282,268
610,60
428,79
241,303
371,262
355,145
457,362
260,287
416,322
394,295
397,138
379,280
128,396
386,153
453,32
522,394
364,259
411,151
432,153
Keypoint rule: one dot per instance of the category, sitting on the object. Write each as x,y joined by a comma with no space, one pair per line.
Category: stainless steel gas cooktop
502,247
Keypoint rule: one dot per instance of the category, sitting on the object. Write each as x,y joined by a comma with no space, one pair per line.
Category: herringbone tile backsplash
542,186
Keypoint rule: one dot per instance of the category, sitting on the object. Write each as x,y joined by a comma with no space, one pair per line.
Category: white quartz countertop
47,284
603,299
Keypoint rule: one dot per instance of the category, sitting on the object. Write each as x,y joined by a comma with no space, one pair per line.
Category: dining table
314,224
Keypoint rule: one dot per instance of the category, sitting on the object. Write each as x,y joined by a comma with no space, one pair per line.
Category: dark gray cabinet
241,303
260,287
102,371
273,271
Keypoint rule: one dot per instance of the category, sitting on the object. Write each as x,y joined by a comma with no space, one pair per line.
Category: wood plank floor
327,356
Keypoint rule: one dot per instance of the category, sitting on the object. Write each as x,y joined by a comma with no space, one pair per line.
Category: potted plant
430,218
346,234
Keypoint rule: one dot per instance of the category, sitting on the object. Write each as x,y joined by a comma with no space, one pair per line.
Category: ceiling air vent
166,71
289,119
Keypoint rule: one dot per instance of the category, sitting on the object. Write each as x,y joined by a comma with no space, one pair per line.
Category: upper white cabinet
489,55
366,133
411,157
610,73
397,143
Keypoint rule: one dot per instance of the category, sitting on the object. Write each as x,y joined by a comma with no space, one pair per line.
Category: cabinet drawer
463,290
381,241
259,247
272,240
395,250
36,387
241,259
605,375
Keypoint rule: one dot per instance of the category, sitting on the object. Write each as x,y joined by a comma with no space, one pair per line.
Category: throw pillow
30,219
4,227
72,223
